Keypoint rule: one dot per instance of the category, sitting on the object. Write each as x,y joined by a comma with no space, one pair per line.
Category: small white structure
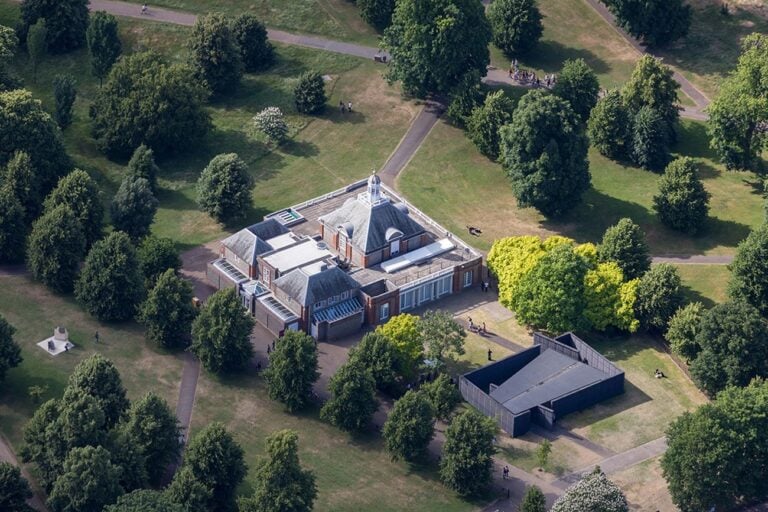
57,343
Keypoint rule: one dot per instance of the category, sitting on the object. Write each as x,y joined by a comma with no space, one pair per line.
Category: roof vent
322,245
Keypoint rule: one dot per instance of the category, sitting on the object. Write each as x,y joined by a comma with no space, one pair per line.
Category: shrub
272,123
309,94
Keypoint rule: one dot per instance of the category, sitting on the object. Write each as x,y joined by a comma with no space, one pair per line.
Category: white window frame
383,312
266,276
344,295
468,276
342,244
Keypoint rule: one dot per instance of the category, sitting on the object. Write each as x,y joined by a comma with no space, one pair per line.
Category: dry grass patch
565,458
645,487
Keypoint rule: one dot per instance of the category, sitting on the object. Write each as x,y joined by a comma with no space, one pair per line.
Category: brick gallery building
354,257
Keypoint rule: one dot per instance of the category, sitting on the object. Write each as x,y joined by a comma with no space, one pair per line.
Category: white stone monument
57,343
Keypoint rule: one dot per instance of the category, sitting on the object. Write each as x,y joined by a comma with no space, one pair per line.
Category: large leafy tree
683,331
410,427
353,398
8,46
659,295
89,482
443,395
610,126
441,335
653,85
292,370
467,459
145,500
544,152
64,95
142,165
19,178
13,229
533,500
185,489
376,353
593,493
610,300
55,248
98,377
656,22
309,93
10,352
156,255
403,332
282,485
224,188
377,13
110,285
251,36
79,192
221,333
128,457
104,43
433,44
168,311
749,270
578,85
133,207
625,244
650,140
682,202
734,347
465,96
14,489
485,122
215,53
214,458
37,45
67,22
147,101
516,25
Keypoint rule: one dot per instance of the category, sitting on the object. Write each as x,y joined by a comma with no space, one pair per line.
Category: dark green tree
55,248
215,458
443,395
377,13
67,21
376,353
749,270
216,53
110,285
653,85
683,329
465,97
46,446
8,45
10,352
89,482
650,143
516,25
309,93
578,85
468,453
14,489
353,398
64,95
104,44
656,22
13,229
682,202
251,36
37,46
659,295
410,427
128,457
156,255
434,44
544,153
534,500
282,485
224,188
98,377
292,370
185,489
133,207
221,333
168,311
484,124
19,178
593,493
147,101
625,244
79,192
144,500
610,127
142,165
442,336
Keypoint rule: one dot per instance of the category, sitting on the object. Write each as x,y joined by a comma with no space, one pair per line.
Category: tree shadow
694,296
299,148
336,116
550,55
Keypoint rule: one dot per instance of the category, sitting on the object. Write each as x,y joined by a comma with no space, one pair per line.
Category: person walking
349,107
144,9
96,336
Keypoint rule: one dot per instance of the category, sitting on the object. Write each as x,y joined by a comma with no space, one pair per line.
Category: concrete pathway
695,260
37,501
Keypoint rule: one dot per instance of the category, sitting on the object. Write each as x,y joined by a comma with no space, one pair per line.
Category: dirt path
37,501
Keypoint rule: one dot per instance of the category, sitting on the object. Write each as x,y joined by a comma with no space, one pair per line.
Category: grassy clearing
522,452
644,486
705,283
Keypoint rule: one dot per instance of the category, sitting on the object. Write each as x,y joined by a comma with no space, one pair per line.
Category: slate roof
308,286
252,241
371,224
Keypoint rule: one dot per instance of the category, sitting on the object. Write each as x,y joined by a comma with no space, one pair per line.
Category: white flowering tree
271,121
593,493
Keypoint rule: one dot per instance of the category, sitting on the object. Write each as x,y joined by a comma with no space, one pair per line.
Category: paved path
695,260
37,501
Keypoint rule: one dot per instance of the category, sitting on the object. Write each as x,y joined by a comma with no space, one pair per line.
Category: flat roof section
297,255
417,256
281,241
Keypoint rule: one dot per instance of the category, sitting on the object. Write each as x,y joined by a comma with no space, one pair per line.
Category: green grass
705,283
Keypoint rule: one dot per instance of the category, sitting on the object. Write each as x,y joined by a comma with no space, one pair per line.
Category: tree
442,336
8,45
89,482
168,311
154,429
542,454
683,330
653,85
39,443
186,490
410,427
37,46
271,122
144,500
64,94
656,22
142,165
659,295
434,44
377,13
282,485
156,255
650,141
110,284
749,270
10,352
309,93
465,96
376,353
292,370
682,202
353,399
26,127
127,456
485,122
214,457
610,301
19,178
133,207
13,229
443,395
578,85
67,21
55,248
403,332
534,500
79,192
610,127
551,295
104,44
250,35
14,489
147,101
544,153
593,493
516,25
625,244
224,188
98,377
468,453
221,333
734,346
215,53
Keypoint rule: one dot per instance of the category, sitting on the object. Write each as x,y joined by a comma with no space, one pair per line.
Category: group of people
345,107
523,76
476,327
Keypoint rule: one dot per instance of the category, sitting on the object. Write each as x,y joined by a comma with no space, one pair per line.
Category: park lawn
644,486
647,406
476,354
522,452
353,472
35,312
452,182
707,284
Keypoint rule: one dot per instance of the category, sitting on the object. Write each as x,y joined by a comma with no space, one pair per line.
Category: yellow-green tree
403,332
610,300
